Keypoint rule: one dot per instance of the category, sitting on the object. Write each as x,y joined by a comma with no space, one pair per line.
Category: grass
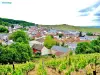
69,27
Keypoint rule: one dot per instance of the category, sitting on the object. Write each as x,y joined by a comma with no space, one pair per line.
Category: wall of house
45,51
35,50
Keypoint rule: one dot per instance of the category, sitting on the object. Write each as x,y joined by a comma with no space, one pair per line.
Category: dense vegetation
73,63
7,22
89,33
88,47
3,29
16,52
19,51
19,36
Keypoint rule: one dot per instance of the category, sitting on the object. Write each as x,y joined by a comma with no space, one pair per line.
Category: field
69,27
81,64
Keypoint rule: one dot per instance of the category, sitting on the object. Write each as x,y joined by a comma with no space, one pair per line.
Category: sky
51,12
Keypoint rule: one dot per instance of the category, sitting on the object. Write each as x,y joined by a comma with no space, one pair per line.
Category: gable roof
59,48
37,46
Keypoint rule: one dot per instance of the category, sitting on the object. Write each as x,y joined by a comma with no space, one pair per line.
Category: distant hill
70,27
94,26
7,22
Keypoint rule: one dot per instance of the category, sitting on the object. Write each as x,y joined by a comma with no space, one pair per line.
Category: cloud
91,8
97,13
51,11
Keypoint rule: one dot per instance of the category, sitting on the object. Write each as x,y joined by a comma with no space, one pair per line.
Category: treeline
7,22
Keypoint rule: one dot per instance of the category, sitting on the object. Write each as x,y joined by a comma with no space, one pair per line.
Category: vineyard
83,64
70,64
20,69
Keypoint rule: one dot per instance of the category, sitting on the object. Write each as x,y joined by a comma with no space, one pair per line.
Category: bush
19,36
3,29
49,42
89,34
85,47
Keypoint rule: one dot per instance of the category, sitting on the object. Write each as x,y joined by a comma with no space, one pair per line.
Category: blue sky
73,12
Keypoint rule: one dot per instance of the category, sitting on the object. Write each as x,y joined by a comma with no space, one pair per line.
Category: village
67,39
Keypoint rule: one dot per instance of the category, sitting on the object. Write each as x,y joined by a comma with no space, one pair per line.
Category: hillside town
66,39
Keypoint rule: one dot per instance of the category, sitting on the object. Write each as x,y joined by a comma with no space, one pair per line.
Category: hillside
70,27
7,22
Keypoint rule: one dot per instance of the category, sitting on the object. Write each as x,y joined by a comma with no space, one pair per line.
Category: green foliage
72,63
63,44
6,54
19,36
83,47
23,52
20,69
3,29
95,44
89,33
7,22
41,70
70,27
17,52
60,35
49,42
99,37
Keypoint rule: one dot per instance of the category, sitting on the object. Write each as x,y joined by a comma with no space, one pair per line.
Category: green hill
70,27
7,22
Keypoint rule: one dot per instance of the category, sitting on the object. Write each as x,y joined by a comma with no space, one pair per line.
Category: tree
80,34
23,52
49,42
6,54
95,44
83,47
60,35
19,36
3,29
12,26
98,38
16,52
62,44
89,33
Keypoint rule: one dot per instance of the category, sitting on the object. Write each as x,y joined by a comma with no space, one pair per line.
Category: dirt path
51,71
33,72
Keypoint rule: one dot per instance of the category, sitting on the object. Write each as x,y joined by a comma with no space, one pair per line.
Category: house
31,43
59,50
88,38
39,48
41,40
72,46
45,51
